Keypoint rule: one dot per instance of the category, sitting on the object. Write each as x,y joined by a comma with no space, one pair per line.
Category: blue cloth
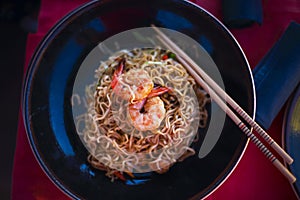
277,75
241,13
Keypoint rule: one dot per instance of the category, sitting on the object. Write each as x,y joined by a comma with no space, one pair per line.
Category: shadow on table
17,18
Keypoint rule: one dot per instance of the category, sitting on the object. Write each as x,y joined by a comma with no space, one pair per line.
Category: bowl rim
286,130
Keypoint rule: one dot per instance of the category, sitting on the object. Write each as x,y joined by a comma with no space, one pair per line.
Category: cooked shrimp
137,86
133,85
150,119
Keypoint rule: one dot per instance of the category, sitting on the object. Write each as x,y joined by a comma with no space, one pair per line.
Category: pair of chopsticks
216,93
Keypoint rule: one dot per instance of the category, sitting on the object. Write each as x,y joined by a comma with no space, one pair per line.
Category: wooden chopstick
291,178
228,99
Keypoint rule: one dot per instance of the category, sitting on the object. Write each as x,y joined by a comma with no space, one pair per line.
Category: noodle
114,143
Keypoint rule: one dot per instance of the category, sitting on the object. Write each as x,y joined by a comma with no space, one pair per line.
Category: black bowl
291,136
48,88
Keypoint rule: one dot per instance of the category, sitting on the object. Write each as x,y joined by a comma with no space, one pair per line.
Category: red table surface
254,178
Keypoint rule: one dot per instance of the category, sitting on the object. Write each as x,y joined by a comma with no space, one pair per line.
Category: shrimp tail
158,91
154,92
140,104
117,73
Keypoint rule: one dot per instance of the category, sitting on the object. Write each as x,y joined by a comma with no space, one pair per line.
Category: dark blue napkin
277,75
241,13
